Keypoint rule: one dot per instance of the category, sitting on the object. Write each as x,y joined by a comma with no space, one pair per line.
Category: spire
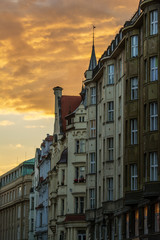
93,60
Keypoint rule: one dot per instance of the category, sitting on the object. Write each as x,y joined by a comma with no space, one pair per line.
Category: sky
43,44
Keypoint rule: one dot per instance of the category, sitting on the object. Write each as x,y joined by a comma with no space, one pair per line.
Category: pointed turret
93,61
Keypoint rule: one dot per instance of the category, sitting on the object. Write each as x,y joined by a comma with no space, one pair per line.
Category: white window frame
153,116
80,146
111,74
134,131
110,189
153,166
134,88
134,46
134,177
154,22
93,95
92,198
92,162
110,149
93,128
110,111
153,69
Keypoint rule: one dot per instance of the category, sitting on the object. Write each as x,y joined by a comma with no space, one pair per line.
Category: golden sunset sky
45,43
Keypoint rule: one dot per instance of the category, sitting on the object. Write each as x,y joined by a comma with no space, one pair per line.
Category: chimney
58,93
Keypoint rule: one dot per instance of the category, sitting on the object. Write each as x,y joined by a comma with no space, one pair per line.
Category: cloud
35,126
15,146
44,43
6,123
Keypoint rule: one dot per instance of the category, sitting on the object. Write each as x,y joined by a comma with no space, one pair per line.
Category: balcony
132,198
151,189
52,226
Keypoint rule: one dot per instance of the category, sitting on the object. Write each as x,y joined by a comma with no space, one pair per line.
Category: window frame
110,111
153,69
134,46
153,107
93,95
110,189
134,88
134,177
134,131
92,128
110,74
153,157
154,22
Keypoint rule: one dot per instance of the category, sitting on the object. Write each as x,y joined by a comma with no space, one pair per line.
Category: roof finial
93,33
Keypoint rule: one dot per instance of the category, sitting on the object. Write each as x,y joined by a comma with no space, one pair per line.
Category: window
134,131
19,212
134,46
24,190
153,69
81,119
145,220
110,111
92,198
32,203
153,116
93,95
154,22
110,189
157,217
111,74
134,88
92,163
19,191
127,225
110,149
80,174
81,235
153,166
62,206
134,177
40,219
92,128
120,68
61,235
79,205
145,167
32,224
146,70
80,146
136,223
145,117
24,210
62,177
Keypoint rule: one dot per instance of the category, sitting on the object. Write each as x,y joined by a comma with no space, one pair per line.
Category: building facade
14,201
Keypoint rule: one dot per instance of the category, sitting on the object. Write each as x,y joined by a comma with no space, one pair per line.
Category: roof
68,105
49,138
93,60
64,156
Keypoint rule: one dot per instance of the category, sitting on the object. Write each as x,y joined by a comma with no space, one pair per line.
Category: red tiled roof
68,105
75,217
49,138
